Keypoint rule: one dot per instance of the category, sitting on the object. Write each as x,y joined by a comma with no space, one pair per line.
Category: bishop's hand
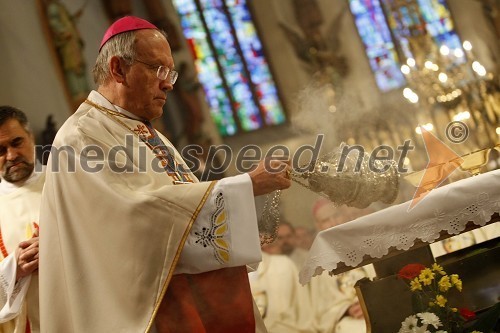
272,173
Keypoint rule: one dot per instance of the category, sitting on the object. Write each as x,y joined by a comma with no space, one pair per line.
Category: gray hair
121,45
8,112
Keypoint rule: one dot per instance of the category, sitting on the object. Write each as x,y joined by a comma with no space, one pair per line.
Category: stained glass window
231,65
432,17
377,32
439,23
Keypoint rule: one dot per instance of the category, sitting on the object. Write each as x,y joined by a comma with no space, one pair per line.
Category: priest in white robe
20,194
132,242
287,241
465,239
334,300
283,303
335,303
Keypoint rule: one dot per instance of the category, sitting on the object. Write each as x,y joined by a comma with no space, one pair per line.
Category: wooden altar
386,301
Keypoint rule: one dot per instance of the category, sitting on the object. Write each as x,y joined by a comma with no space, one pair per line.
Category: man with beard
20,194
287,241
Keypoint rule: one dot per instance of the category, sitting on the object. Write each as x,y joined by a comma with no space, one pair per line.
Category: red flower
410,271
467,314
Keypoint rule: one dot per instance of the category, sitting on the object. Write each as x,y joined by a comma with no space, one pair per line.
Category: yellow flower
438,269
456,282
454,309
441,300
431,304
426,276
415,285
444,283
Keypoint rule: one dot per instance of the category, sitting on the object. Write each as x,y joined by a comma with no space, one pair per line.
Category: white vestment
19,207
112,240
283,303
299,257
465,239
332,296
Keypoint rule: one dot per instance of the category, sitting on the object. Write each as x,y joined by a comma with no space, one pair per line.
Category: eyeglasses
163,73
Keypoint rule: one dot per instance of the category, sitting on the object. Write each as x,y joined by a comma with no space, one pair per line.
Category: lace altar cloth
448,208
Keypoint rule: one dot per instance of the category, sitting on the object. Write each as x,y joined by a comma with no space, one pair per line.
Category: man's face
272,248
17,152
144,93
303,237
285,239
327,217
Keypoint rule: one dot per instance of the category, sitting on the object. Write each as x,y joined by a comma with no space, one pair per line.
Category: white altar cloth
448,208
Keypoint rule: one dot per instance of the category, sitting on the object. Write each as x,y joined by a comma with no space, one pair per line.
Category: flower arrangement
430,287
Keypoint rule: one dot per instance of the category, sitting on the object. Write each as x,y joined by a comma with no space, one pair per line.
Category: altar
398,235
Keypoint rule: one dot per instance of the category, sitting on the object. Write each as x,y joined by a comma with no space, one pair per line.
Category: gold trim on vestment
178,254
113,114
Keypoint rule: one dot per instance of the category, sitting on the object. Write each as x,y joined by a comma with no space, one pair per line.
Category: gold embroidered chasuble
116,228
